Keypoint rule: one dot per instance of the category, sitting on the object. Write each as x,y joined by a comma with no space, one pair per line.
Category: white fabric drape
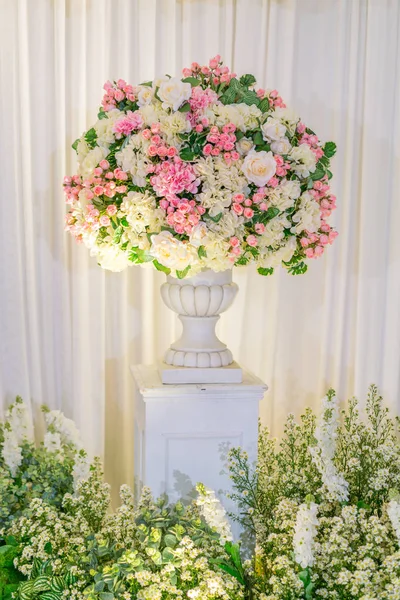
69,331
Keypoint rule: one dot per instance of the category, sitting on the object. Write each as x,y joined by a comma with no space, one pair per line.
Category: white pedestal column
182,432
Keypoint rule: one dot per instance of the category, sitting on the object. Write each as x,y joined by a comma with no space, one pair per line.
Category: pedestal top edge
149,383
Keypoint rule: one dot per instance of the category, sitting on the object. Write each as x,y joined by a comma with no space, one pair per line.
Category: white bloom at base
303,160
241,115
393,511
110,257
308,215
171,252
11,451
52,441
304,533
259,167
142,214
282,146
174,92
57,422
213,512
324,452
81,470
272,258
273,130
274,232
91,161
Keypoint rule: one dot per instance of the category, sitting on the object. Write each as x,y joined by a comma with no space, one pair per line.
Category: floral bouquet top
203,172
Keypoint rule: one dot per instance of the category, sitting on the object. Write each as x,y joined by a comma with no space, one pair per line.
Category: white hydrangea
303,160
91,161
110,257
393,511
269,259
220,183
174,124
304,534
142,213
324,452
104,127
308,215
133,159
274,232
213,512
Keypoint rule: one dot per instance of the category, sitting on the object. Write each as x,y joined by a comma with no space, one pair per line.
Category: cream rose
273,130
281,146
174,92
170,252
259,167
198,237
145,95
244,145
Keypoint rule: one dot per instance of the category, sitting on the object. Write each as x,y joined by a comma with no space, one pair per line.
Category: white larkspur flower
81,470
12,453
52,441
213,512
57,422
19,420
393,511
324,452
304,534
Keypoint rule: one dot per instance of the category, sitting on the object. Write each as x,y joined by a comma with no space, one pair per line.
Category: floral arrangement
28,472
324,505
200,172
60,539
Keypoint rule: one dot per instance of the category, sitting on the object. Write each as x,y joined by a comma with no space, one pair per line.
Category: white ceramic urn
199,300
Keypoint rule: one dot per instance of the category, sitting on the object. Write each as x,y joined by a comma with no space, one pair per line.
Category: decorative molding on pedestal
182,432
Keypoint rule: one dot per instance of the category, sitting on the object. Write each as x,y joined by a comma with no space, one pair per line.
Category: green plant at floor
154,550
323,505
9,576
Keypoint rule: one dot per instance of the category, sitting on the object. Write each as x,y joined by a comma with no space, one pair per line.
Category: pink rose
237,208
252,240
248,213
112,209
260,228
104,220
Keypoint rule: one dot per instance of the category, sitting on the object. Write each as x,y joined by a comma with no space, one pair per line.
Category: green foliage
202,252
161,267
263,271
182,274
192,80
238,92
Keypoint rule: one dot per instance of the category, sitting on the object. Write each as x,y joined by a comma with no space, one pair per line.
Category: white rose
244,145
199,234
259,167
170,252
145,95
91,161
174,92
273,130
281,146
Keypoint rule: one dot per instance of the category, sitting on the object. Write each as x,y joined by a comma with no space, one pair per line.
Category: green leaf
304,576
167,555
124,222
91,136
102,114
329,149
184,108
187,154
266,216
309,590
192,80
170,540
11,541
228,97
202,252
99,586
264,105
319,173
48,548
216,219
106,596
182,275
161,267
258,138
329,173
41,584
263,148
235,85
243,260
231,571
239,134
298,269
50,596
250,97
58,584
147,83
264,271
75,144
247,80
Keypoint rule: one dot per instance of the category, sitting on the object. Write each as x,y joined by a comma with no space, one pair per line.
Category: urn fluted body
199,300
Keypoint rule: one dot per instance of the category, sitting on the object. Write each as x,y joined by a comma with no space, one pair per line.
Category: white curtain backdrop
69,331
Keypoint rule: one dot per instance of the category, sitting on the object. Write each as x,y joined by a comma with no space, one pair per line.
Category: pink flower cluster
103,183
222,142
199,101
158,146
125,125
311,140
314,243
173,177
215,72
116,92
275,101
182,214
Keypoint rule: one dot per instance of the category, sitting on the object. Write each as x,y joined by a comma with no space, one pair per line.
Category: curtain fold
69,331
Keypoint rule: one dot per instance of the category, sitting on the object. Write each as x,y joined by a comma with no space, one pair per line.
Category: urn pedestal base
172,375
